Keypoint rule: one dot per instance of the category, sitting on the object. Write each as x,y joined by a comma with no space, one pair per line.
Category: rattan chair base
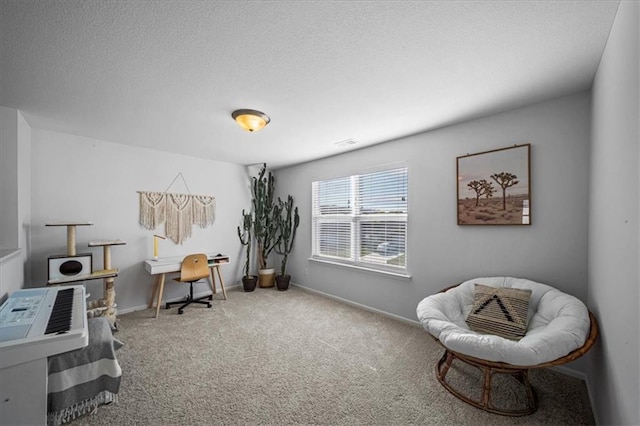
521,373
488,370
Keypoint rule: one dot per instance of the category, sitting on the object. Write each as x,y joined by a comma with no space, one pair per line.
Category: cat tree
102,307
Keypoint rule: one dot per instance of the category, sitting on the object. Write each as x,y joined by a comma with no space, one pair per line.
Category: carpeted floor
297,358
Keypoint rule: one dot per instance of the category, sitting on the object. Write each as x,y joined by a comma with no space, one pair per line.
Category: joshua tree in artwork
481,187
505,180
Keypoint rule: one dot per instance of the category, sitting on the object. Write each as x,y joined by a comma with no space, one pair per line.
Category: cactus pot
282,282
249,283
266,277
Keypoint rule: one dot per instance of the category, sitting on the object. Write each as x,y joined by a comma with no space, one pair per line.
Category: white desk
165,265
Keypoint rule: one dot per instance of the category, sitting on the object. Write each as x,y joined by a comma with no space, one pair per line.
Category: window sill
396,275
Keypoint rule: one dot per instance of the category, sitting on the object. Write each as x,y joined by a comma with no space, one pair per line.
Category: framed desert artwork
494,187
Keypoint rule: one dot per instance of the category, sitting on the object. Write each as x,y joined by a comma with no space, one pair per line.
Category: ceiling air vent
346,142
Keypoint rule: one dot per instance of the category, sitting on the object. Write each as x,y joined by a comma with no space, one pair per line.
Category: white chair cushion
558,323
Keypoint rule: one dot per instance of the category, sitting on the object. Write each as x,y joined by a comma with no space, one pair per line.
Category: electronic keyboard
40,322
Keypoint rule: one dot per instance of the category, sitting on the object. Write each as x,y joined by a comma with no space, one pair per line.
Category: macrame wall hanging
178,212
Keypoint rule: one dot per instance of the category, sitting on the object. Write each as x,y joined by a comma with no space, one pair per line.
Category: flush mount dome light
250,119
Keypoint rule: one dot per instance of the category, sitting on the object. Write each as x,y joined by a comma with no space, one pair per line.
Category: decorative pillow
499,310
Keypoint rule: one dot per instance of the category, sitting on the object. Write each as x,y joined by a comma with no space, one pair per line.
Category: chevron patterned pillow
500,310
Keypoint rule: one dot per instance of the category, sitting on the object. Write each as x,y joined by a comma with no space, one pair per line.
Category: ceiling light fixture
250,119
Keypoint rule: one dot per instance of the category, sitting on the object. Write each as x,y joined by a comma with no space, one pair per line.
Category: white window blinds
362,219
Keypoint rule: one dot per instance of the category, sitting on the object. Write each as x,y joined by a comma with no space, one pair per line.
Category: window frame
355,218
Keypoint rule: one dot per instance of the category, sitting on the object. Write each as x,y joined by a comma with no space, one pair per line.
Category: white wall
82,179
552,250
15,201
614,255
11,271
24,190
9,182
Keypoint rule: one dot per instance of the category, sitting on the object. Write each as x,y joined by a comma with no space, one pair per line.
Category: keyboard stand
24,402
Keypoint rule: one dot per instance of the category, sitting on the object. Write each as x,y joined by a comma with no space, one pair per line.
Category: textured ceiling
168,74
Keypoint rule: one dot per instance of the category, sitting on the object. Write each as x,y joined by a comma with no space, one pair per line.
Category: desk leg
224,292
160,290
156,282
212,280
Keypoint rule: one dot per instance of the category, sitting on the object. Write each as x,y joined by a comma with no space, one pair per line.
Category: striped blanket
81,380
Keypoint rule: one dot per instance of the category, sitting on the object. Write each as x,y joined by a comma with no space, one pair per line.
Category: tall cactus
245,238
287,224
265,211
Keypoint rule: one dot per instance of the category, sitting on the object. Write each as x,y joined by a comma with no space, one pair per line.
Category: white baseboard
592,400
132,309
571,372
359,305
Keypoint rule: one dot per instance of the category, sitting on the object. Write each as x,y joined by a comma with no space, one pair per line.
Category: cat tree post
71,240
71,234
109,296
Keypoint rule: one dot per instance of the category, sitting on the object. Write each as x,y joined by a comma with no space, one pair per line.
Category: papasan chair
506,325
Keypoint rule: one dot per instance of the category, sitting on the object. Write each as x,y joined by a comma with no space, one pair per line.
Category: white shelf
107,273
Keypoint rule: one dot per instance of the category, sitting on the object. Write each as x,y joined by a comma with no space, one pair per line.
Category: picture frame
494,187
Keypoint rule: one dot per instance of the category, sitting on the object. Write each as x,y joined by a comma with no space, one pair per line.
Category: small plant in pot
288,221
248,281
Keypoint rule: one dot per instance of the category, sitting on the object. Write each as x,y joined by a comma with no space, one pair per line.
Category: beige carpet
294,357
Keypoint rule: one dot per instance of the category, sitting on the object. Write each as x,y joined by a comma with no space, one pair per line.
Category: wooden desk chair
194,267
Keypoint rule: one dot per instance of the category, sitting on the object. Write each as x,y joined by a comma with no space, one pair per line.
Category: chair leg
190,299
488,370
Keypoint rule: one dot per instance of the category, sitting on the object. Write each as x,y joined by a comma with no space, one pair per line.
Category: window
362,220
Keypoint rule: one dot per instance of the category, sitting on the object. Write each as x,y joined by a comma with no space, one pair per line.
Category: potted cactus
248,281
265,223
288,221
